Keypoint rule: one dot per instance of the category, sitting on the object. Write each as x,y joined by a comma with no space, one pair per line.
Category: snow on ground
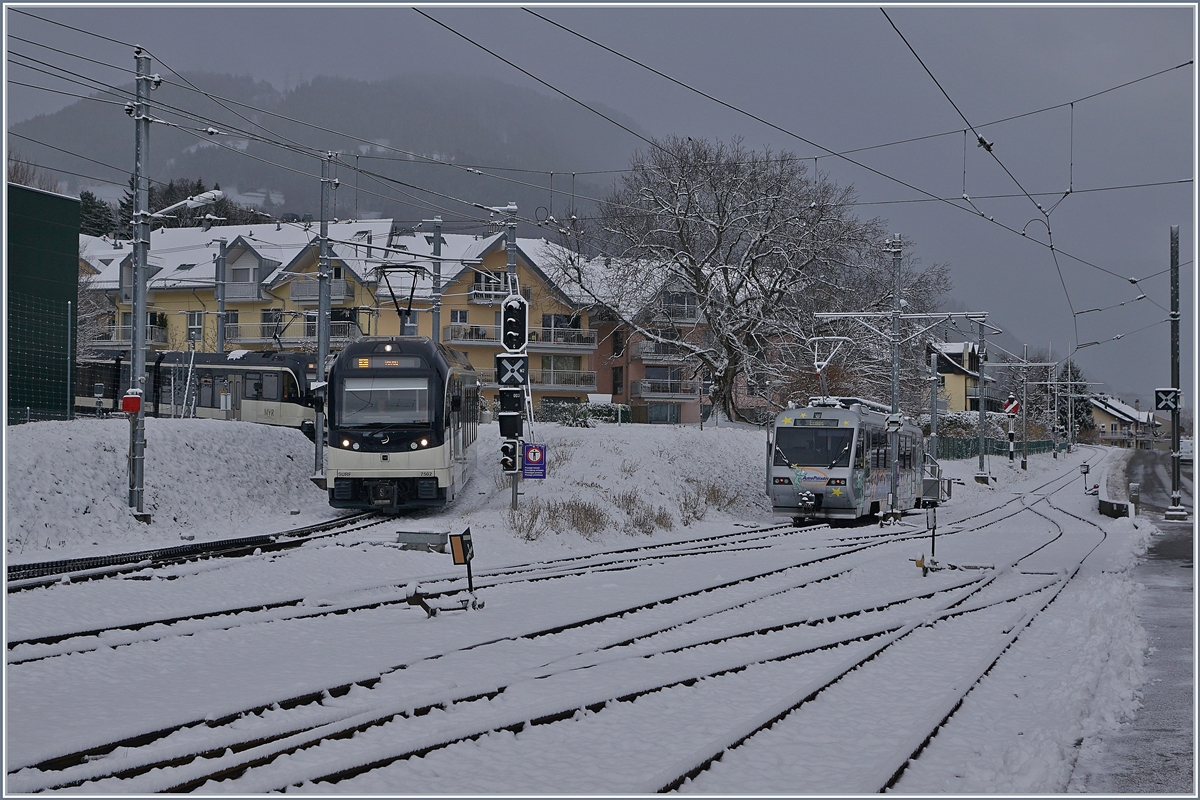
1075,677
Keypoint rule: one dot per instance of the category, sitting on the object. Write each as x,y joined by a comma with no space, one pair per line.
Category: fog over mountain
384,127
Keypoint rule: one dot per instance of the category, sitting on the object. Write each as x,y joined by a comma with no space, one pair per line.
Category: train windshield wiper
838,457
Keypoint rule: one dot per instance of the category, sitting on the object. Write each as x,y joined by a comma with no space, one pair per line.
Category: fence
952,448
40,357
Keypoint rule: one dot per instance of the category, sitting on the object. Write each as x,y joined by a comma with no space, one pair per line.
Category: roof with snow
1122,411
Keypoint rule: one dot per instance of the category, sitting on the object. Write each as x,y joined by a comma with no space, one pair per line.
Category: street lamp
137,362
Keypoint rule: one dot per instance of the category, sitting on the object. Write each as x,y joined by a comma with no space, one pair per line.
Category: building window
195,326
618,380
618,342
458,316
664,413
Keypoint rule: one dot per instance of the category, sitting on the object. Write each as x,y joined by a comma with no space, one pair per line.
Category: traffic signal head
514,323
508,456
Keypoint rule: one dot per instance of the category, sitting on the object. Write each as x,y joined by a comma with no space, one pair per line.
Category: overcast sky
841,78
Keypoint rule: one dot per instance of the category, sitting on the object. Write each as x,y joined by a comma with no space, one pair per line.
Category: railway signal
514,323
508,456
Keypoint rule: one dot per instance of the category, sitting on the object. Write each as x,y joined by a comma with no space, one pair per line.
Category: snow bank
67,485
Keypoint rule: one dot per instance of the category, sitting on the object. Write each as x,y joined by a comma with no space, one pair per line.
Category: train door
232,383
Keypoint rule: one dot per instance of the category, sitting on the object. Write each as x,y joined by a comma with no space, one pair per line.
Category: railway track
22,577
717,638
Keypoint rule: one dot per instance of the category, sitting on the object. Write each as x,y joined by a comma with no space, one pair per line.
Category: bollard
1135,497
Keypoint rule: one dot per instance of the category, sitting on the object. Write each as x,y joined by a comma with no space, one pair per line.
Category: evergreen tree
95,216
1081,406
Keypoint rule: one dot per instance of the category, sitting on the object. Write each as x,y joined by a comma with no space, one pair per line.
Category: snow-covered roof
1122,411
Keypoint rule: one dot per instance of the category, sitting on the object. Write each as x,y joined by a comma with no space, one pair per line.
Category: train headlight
355,445
412,446
345,442
785,481
836,482
424,443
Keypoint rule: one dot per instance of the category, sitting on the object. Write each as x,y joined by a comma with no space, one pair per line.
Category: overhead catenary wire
930,199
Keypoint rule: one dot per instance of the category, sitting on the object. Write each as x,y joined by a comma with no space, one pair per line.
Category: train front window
380,400
812,447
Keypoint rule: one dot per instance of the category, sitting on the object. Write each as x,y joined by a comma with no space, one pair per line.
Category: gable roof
1122,411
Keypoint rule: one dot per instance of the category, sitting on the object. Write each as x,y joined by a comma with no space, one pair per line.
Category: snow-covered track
48,573
627,558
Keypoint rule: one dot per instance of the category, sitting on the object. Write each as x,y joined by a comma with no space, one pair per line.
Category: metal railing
309,290
659,388
486,294
124,333
471,334
563,337
658,351
241,291
297,331
541,378
680,310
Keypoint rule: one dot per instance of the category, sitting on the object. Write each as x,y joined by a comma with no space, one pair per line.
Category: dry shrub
585,517
699,496
559,452
529,520
533,518
641,517
628,468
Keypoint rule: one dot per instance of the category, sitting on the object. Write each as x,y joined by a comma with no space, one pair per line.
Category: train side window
290,389
253,387
860,458
270,386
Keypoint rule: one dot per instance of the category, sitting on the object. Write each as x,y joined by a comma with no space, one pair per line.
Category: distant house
1122,425
958,378
42,268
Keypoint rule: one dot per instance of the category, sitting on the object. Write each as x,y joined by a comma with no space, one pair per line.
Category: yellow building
958,378
382,283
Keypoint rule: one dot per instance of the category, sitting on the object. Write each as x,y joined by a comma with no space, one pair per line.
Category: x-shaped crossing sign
1166,399
512,370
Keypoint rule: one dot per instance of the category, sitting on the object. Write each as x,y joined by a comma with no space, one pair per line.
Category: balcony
687,312
242,291
297,332
543,380
559,339
485,335
665,390
487,294
308,291
122,335
659,352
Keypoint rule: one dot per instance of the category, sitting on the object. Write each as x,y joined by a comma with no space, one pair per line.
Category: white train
403,415
831,460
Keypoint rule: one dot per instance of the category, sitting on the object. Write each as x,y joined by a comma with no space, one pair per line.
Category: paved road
1155,753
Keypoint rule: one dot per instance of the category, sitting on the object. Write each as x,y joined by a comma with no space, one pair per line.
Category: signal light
514,323
508,456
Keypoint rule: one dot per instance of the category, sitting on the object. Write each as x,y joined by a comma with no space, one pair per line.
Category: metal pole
1054,388
221,296
933,404
980,405
1071,407
141,246
1025,412
70,363
437,293
894,435
323,311
1176,511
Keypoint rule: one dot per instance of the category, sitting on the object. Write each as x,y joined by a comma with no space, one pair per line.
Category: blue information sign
533,462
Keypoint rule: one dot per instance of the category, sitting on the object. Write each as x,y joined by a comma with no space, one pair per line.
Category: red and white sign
1011,406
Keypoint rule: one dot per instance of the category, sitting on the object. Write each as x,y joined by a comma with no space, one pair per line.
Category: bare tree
26,173
756,242
93,316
